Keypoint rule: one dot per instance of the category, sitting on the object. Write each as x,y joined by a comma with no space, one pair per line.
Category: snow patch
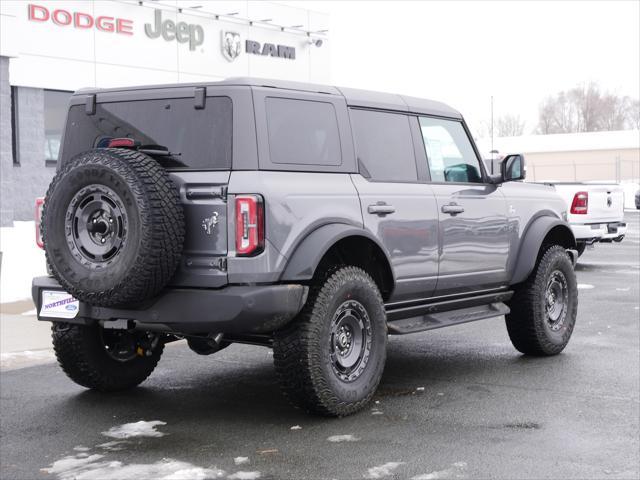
241,460
81,448
342,438
622,289
382,471
455,471
71,464
12,360
136,429
585,286
93,467
296,427
21,261
244,476
420,389
114,446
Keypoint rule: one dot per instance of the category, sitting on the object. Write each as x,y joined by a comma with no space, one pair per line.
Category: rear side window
302,132
384,146
197,138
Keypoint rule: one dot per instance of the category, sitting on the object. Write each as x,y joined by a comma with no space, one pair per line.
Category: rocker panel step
432,321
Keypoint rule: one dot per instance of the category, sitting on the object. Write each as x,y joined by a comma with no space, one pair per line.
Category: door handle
381,209
452,209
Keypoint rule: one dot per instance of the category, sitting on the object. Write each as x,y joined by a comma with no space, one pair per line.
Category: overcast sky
462,52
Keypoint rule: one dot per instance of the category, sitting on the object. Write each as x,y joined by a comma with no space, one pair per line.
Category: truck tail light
580,204
38,213
249,225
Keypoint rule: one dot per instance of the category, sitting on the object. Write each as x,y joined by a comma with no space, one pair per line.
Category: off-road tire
151,241
527,324
84,359
302,351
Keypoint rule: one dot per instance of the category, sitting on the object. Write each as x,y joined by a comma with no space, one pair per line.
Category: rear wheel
330,359
544,307
104,359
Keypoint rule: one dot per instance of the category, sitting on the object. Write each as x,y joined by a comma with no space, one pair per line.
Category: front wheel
330,359
544,307
104,359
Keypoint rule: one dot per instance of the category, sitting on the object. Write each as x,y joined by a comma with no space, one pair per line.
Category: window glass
56,104
196,138
449,151
384,146
303,132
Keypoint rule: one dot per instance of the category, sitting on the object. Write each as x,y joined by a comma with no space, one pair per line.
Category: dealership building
48,49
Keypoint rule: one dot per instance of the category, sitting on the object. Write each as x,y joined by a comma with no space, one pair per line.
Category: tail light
580,204
121,143
39,205
249,225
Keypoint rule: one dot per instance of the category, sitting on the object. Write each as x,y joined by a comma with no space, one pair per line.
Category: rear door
473,233
397,205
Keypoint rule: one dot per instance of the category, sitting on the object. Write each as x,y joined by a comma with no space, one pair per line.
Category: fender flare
307,255
531,243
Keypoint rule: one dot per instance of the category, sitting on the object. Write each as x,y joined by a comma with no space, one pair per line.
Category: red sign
80,20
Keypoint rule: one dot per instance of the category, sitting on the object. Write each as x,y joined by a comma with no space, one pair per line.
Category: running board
432,321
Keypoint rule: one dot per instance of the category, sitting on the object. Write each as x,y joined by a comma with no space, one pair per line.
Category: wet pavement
454,403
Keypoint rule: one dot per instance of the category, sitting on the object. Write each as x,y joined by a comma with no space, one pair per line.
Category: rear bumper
588,232
233,309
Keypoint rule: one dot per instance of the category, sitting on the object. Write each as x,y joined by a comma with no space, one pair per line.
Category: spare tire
112,227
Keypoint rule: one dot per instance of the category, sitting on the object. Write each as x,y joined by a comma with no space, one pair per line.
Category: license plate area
58,304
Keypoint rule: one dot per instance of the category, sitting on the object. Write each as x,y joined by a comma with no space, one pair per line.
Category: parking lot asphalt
454,403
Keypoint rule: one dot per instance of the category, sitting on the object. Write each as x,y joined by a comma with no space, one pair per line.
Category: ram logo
230,45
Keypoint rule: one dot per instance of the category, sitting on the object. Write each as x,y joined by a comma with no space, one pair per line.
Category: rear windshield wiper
167,158
159,150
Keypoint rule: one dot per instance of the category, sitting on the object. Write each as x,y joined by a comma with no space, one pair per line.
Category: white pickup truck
595,211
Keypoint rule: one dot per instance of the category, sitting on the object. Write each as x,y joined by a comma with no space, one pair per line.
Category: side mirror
512,168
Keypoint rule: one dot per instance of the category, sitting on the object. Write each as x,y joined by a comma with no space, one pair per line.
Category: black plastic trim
233,309
430,307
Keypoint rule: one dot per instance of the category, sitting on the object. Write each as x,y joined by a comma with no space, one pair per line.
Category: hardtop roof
353,97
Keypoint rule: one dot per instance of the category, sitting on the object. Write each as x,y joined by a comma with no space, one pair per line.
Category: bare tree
509,126
587,109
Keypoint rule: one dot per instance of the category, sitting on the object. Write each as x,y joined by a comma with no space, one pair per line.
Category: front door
473,228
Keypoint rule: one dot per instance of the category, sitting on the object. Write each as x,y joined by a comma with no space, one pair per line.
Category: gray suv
310,219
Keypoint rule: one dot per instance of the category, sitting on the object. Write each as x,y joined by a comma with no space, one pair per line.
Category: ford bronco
310,219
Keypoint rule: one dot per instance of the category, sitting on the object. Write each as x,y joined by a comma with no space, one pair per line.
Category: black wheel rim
96,225
350,341
120,345
556,300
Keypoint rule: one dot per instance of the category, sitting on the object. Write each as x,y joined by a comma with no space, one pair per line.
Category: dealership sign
80,20
182,32
167,29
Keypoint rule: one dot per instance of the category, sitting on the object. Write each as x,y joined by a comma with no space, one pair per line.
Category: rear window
303,132
197,138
